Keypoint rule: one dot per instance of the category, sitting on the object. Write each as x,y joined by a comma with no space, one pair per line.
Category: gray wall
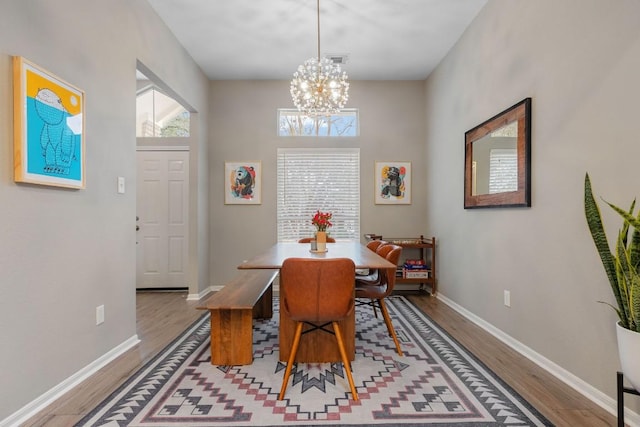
64,252
243,118
579,62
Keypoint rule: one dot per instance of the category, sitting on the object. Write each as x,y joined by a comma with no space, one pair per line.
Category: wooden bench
233,308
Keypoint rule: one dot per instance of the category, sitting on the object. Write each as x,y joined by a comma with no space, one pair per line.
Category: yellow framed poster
49,145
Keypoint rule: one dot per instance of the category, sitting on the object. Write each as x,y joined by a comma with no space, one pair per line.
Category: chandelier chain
318,9
319,87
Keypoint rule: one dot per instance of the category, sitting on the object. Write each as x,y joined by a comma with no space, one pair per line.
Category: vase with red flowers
321,221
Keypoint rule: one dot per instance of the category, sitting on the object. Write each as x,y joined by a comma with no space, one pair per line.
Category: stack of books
415,269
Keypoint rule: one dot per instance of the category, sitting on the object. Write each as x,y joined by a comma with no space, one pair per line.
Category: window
311,179
158,115
294,123
503,170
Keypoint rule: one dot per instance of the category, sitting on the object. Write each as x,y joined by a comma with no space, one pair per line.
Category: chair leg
292,358
345,359
387,321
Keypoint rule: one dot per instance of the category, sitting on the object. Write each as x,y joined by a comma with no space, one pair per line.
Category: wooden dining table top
273,258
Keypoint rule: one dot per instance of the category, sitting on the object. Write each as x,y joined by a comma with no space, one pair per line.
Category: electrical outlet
99,314
507,298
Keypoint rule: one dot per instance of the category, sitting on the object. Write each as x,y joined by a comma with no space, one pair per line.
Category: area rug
437,382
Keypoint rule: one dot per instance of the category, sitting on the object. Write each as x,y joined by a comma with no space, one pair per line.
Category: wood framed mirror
497,160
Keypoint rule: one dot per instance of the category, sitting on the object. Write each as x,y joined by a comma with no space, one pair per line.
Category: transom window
292,122
312,179
160,116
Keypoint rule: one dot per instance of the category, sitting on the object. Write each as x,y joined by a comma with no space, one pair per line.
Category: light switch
100,314
121,184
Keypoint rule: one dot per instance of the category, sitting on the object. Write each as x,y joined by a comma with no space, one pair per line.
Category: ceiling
268,39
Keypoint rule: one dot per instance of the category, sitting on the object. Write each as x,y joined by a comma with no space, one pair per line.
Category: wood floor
162,316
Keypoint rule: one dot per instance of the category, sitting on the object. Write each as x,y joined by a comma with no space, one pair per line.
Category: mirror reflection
495,161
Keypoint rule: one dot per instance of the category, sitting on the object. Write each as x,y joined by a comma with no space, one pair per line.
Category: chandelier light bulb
319,87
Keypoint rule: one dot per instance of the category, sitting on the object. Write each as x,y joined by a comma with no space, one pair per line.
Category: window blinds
311,179
503,170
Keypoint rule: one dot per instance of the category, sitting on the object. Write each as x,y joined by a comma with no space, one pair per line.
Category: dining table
317,346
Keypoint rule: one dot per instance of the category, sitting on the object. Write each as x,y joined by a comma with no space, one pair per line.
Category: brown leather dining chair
377,291
375,244
310,239
318,292
371,275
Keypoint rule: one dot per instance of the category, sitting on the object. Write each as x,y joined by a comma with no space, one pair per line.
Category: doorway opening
163,137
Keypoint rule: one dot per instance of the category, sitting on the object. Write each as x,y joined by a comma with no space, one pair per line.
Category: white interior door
162,219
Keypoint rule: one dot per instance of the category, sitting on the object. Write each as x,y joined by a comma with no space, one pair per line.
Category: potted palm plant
623,271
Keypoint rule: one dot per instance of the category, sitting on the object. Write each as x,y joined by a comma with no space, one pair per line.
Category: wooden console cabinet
415,248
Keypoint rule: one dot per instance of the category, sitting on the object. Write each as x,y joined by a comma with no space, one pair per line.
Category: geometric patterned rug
437,382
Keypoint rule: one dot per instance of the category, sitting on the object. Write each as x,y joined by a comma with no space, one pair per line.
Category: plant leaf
628,217
625,225
634,302
634,247
613,307
625,275
594,221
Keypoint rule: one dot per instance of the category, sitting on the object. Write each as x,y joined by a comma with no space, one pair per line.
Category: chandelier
319,87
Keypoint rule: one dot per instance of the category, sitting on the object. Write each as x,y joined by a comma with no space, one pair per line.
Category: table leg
231,337
264,307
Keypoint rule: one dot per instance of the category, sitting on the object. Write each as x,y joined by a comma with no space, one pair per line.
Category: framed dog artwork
392,183
242,183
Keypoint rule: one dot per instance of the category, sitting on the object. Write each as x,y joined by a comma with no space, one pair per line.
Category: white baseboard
196,297
609,404
35,406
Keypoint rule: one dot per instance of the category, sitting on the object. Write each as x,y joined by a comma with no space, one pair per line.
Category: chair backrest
309,239
384,249
375,244
392,254
317,290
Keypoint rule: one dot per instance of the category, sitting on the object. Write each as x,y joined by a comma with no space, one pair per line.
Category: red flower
321,220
